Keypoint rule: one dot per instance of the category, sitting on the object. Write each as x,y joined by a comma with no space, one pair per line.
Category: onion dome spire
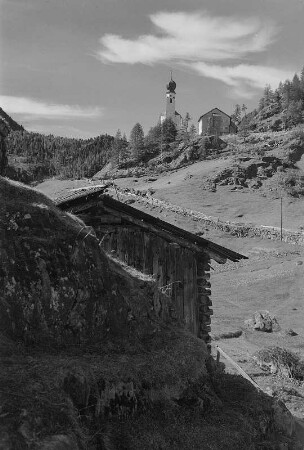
171,86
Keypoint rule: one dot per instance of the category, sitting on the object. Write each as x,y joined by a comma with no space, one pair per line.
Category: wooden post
218,355
239,369
281,219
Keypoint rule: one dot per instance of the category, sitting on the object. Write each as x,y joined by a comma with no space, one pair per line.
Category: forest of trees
141,148
285,104
78,158
64,157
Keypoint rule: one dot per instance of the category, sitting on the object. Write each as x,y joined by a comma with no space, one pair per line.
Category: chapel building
216,122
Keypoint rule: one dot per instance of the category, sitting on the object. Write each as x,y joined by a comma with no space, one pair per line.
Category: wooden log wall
203,298
179,273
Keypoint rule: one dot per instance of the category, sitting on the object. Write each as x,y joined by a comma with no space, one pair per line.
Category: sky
81,68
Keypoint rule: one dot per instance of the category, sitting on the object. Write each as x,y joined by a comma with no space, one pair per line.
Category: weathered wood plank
96,219
195,299
179,261
187,290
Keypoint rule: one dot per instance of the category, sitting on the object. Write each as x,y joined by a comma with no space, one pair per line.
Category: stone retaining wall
234,228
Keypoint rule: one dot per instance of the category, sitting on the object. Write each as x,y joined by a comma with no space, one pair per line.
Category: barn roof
82,199
213,110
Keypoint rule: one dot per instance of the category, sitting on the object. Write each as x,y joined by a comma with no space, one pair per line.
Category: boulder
263,321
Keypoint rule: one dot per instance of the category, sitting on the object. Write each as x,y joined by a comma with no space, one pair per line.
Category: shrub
292,182
280,360
276,125
298,133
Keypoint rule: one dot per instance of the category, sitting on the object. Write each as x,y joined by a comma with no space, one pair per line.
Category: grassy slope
272,278
185,188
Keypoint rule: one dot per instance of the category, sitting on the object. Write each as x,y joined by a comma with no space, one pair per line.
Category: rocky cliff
10,123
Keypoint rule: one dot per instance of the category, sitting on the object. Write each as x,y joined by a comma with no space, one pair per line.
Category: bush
292,182
282,361
276,125
298,133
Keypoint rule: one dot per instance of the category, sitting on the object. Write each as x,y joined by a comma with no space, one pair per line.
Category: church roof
213,110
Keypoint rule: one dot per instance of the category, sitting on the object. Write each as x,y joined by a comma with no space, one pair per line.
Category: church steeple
170,103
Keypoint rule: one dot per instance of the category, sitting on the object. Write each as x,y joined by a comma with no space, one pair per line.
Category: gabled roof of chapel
213,110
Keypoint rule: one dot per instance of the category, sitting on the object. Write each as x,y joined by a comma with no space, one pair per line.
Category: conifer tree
244,109
302,84
286,95
124,151
277,99
295,89
268,95
192,131
186,121
119,148
236,115
153,140
169,131
294,113
137,142
115,157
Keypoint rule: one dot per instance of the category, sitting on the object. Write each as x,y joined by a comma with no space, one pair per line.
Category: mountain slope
11,123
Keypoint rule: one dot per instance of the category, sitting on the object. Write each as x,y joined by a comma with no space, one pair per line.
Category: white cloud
239,76
31,108
190,37
216,47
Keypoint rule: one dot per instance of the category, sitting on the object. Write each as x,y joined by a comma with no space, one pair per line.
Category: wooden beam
103,219
219,259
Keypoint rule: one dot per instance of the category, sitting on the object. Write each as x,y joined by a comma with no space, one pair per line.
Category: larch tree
169,131
153,140
192,131
302,84
295,89
236,115
137,142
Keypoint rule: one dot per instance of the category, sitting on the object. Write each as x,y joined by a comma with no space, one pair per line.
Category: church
170,106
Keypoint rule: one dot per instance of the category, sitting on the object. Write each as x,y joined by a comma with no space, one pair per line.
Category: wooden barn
216,123
179,261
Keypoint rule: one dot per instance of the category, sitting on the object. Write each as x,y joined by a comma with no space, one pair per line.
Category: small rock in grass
291,332
263,321
129,201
